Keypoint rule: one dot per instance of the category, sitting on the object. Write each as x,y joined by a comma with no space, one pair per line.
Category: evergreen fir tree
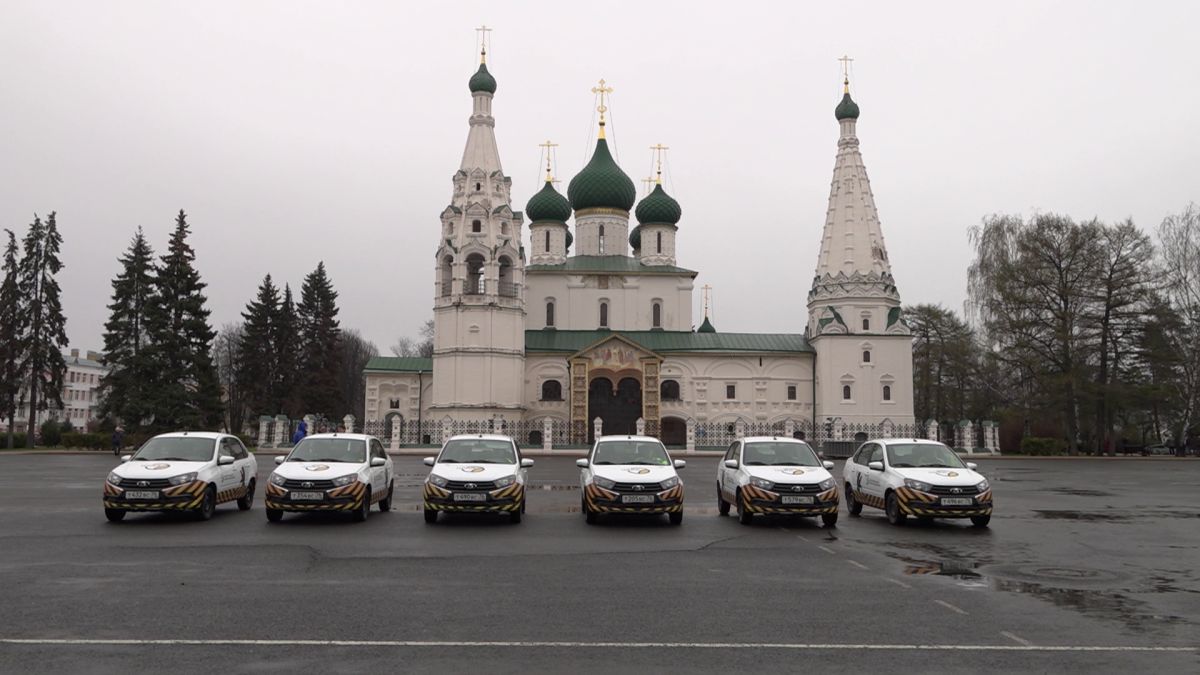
319,347
126,393
258,358
11,334
187,391
42,319
285,339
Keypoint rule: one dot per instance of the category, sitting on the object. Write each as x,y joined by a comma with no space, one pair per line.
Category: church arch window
477,226
656,315
866,356
547,241
846,393
601,240
504,227
658,242
550,314
791,392
866,323
508,287
604,315
887,392
552,390
475,280
447,273
731,391
478,187
669,391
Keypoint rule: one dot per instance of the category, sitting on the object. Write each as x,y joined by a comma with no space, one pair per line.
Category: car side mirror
972,466
827,464
126,458
378,461
679,464
875,466
430,461
224,460
581,463
526,463
279,459
731,464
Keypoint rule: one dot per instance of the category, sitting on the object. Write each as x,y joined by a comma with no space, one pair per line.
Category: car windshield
922,455
349,450
631,452
779,453
176,448
478,451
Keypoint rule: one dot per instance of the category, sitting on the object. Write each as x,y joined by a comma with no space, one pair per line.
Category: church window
669,390
731,391
658,237
866,324
478,187
503,227
791,392
887,392
476,226
601,240
547,241
475,281
507,286
549,314
656,315
552,390
845,392
604,315
866,356
447,275
394,403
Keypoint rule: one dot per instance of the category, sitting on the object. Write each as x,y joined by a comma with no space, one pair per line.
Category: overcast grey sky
294,132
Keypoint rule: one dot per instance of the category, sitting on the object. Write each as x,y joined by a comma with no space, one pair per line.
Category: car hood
633,473
157,468
789,474
941,476
316,470
475,473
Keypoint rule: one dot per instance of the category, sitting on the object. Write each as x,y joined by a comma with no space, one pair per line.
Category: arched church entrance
674,432
619,407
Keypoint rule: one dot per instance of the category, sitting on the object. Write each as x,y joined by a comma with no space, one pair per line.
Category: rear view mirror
581,463
126,458
526,463
679,464
827,464
378,461
224,460
430,461
972,466
279,459
875,466
731,464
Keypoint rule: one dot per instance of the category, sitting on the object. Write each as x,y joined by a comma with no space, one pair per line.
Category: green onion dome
482,80
658,207
570,239
847,109
635,237
548,204
706,327
601,184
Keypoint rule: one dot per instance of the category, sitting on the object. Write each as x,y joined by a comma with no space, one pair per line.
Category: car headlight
505,481
182,478
345,480
276,479
604,483
983,485
670,482
762,483
917,485
826,484
437,480
114,479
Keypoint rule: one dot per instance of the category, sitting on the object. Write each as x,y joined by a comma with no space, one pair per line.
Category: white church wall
760,387
630,301
840,363
383,388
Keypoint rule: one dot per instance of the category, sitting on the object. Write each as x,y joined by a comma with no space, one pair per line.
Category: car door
228,474
521,471
379,474
729,477
870,480
243,462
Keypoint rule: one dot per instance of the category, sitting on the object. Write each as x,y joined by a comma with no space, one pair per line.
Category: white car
769,475
630,474
331,472
913,477
184,471
479,473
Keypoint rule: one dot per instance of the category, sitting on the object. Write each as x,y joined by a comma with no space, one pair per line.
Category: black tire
744,516
385,504
247,500
514,516
114,515
431,516
274,515
981,521
852,505
676,517
588,516
829,519
364,509
208,504
722,505
892,507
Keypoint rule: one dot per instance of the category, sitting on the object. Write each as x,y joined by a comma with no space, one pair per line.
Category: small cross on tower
659,150
846,61
483,36
547,148
602,91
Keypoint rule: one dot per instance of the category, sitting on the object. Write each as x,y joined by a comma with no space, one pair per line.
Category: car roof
486,437
626,437
359,437
785,439
906,441
211,435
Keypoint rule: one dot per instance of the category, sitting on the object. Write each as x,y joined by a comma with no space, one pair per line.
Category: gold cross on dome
546,147
602,90
648,182
483,31
846,60
707,293
659,149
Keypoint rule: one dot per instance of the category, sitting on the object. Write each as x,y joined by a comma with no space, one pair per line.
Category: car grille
470,485
791,488
307,484
950,490
148,482
637,487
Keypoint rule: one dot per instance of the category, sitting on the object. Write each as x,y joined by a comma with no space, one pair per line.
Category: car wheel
981,521
274,515
852,505
744,516
208,504
514,516
722,505
247,500
114,515
588,516
431,516
829,519
364,509
676,517
385,504
892,507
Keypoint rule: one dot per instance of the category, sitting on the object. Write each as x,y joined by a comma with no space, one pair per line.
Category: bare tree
355,352
1179,239
227,352
421,347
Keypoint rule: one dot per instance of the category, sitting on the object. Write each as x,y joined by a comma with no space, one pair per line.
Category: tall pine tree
11,334
320,336
257,375
285,338
42,319
126,393
187,390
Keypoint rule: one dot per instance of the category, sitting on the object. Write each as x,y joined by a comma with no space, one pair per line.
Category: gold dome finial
846,60
602,91
547,148
659,150
483,31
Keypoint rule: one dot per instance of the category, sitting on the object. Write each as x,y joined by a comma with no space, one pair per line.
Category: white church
586,325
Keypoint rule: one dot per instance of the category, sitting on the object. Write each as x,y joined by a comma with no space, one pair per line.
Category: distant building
80,395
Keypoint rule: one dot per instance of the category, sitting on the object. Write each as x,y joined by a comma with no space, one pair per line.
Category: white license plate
637,499
796,499
958,501
470,497
141,494
308,496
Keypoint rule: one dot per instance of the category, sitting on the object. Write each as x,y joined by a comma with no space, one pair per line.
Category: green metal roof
847,109
601,184
400,364
571,341
548,204
608,264
658,207
482,80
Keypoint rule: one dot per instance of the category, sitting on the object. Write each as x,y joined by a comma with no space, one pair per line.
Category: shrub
51,433
18,440
77,439
1040,446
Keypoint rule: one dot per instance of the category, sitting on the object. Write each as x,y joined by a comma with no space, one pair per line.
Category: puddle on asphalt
1094,516
1079,492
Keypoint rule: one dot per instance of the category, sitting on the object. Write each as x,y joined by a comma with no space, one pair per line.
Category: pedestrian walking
118,440
301,432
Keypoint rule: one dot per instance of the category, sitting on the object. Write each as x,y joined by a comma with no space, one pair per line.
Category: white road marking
1016,638
827,549
899,583
950,607
858,564
802,537
595,645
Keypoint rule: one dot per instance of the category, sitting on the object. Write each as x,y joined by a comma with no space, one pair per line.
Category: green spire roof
601,184
706,327
635,237
847,109
658,207
548,204
482,80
